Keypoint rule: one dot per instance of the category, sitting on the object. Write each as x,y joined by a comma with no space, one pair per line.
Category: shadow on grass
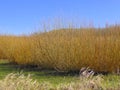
10,67
6,67
38,74
45,72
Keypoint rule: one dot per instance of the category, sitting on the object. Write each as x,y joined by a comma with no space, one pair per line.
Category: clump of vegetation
66,49
20,82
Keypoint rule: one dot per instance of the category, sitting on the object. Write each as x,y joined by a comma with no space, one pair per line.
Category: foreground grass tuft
21,82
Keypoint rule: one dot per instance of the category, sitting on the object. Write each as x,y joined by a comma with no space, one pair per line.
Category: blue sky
26,16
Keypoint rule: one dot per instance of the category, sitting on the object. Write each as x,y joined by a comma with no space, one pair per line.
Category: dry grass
20,82
65,50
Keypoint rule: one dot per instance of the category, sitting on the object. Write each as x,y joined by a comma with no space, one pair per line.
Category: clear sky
25,16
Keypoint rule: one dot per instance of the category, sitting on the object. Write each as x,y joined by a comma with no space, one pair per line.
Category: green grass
41,75
52,76
112,81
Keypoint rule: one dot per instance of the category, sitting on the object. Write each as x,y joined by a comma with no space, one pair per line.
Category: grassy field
52,76
41,75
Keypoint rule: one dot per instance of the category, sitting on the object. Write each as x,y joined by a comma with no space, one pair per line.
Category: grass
51,76
111,81
21,82
39,75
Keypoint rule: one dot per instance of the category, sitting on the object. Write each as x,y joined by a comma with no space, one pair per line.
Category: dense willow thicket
66,49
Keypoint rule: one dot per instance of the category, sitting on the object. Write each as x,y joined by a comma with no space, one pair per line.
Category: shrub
66,49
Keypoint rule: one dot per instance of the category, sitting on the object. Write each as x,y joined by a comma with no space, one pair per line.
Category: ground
41,75
51,76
